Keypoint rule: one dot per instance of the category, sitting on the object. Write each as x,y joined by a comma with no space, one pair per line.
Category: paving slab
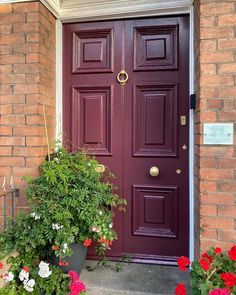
133,279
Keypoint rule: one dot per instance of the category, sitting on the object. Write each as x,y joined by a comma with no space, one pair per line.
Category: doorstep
133,279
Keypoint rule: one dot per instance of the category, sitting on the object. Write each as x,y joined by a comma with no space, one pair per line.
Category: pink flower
73,275
219,292
76,286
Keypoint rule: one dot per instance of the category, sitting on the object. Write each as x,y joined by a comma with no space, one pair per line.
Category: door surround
157,12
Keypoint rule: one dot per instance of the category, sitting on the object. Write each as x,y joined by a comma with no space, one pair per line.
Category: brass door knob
100,168
154,171
122,77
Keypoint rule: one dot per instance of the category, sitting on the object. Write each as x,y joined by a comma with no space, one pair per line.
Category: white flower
35,215
23,275
95,229
8,277
44,271
56,226
65,247
100,212
31,283
28,289
110,225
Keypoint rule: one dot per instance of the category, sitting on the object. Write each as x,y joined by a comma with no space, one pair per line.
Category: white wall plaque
218,133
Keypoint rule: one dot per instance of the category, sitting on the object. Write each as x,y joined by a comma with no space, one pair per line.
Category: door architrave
59,97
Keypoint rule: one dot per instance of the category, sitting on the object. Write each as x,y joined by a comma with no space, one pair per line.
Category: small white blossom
65,247
95,229
110,225
31,283
100,212
23,275
44,271
35,215
56,226
8,277
28,289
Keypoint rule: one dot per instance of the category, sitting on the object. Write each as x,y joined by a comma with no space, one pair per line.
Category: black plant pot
76,260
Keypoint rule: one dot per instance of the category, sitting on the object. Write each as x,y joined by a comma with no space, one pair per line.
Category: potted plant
71,204
213,274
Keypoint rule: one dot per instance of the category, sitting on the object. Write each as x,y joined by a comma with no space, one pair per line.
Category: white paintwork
191,136
59,104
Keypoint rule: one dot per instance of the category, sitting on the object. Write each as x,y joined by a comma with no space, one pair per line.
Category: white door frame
59,104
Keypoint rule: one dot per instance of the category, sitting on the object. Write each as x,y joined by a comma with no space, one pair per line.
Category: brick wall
27,81
216,88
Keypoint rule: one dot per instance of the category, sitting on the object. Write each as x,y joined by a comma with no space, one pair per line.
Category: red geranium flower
87,242
55,247
1,265
217,250
180,289
204,264
183,262
26,268
232,253
229,279
207,257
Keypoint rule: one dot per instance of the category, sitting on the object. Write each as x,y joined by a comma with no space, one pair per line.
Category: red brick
34,161
33,17
227,20
32,78
5,151
227,211
5,8
12,59
26,48
209,163
28,130
32,57
12,161
5,89
216,174
12,141
208,186
5,109
12,120
5,171
5,69
26,109
209,234
227,43
26,28
12,78
32,37
216,8
227,163
208,69
6,130
32,120
13,18
36,141
227,186
25,68
218,198
216,104
208,210
25,88
208,116
229,116
227,235
216,151
29,151
26,171
12,99
227,68
216,80
5,28
26,7
12,39
206,244
208,21
217,222
217,57
5,49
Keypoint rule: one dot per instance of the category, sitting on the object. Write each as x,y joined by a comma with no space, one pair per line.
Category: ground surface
134,279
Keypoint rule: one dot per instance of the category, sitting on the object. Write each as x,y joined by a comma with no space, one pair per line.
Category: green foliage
69,202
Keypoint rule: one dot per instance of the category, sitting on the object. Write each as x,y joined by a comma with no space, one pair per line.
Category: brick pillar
27,81
216,90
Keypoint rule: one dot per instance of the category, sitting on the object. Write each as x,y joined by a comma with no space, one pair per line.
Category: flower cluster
213,274
44,271
76,286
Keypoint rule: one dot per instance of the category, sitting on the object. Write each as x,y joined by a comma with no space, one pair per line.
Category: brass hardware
154,171
125,78
184,147
183,120
178,171
100,168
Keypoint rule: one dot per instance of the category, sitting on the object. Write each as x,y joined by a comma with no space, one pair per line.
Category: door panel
134,127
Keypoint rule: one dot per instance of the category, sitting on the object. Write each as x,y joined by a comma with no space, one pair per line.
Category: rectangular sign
218,133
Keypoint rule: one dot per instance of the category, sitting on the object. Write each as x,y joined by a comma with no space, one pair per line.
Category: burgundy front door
140,129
